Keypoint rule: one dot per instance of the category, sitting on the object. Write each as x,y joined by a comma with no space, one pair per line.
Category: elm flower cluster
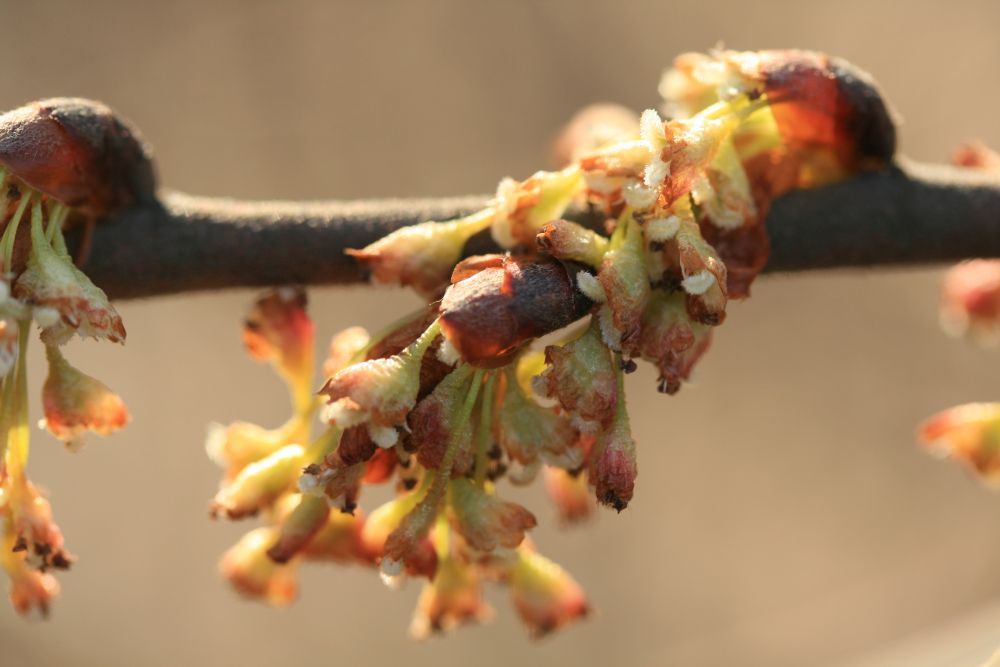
460,400
61,177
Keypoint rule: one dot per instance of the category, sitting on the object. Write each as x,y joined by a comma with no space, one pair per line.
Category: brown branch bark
910,214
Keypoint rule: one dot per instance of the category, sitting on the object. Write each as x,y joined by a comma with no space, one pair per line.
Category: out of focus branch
908,215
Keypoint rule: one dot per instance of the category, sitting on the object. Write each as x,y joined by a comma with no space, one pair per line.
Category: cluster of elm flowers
43,189
449,403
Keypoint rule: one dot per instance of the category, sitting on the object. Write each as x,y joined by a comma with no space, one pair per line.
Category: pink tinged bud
490,315
260,484
378,391
407,545
567,240
343,347
421,557
485,521
75,402
581,376
453,598
51,280
976,155
723,194
252,572
613,469
671,340
30,588
298,528
625,280
241,443
970,300
703,275
339,540
569,494
692,144
592,127
545,596
423,255
435,423
278,330
523,207
529,432
969,434
37,537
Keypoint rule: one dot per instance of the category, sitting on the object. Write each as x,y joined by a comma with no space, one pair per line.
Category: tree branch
910,214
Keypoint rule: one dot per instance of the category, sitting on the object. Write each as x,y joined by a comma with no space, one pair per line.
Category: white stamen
656,172
45,316
340,413
651,129
310,485
384,436
448,353
662,229
639,197
698,283
591,287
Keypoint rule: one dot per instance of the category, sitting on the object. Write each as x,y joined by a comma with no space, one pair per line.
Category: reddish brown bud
78,152
484,520
489,315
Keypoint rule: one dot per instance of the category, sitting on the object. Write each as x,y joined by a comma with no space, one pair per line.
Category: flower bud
75,402
724,194
671,340
569,493
581,376
545,596
344,346
969,434
259,484
379,391
592,127
491,314
78,152
279,330
241,443
529,432
435,423
704,275
406,545
567,240
338,540
50,280
625,280
423,255
454,597
970,300
522,207
251,571
410,551
613,466
485,521
29,588
976,155
35,531
307,516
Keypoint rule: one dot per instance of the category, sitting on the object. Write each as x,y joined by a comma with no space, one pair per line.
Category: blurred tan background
783,516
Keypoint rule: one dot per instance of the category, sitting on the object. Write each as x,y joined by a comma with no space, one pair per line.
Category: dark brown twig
908,215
